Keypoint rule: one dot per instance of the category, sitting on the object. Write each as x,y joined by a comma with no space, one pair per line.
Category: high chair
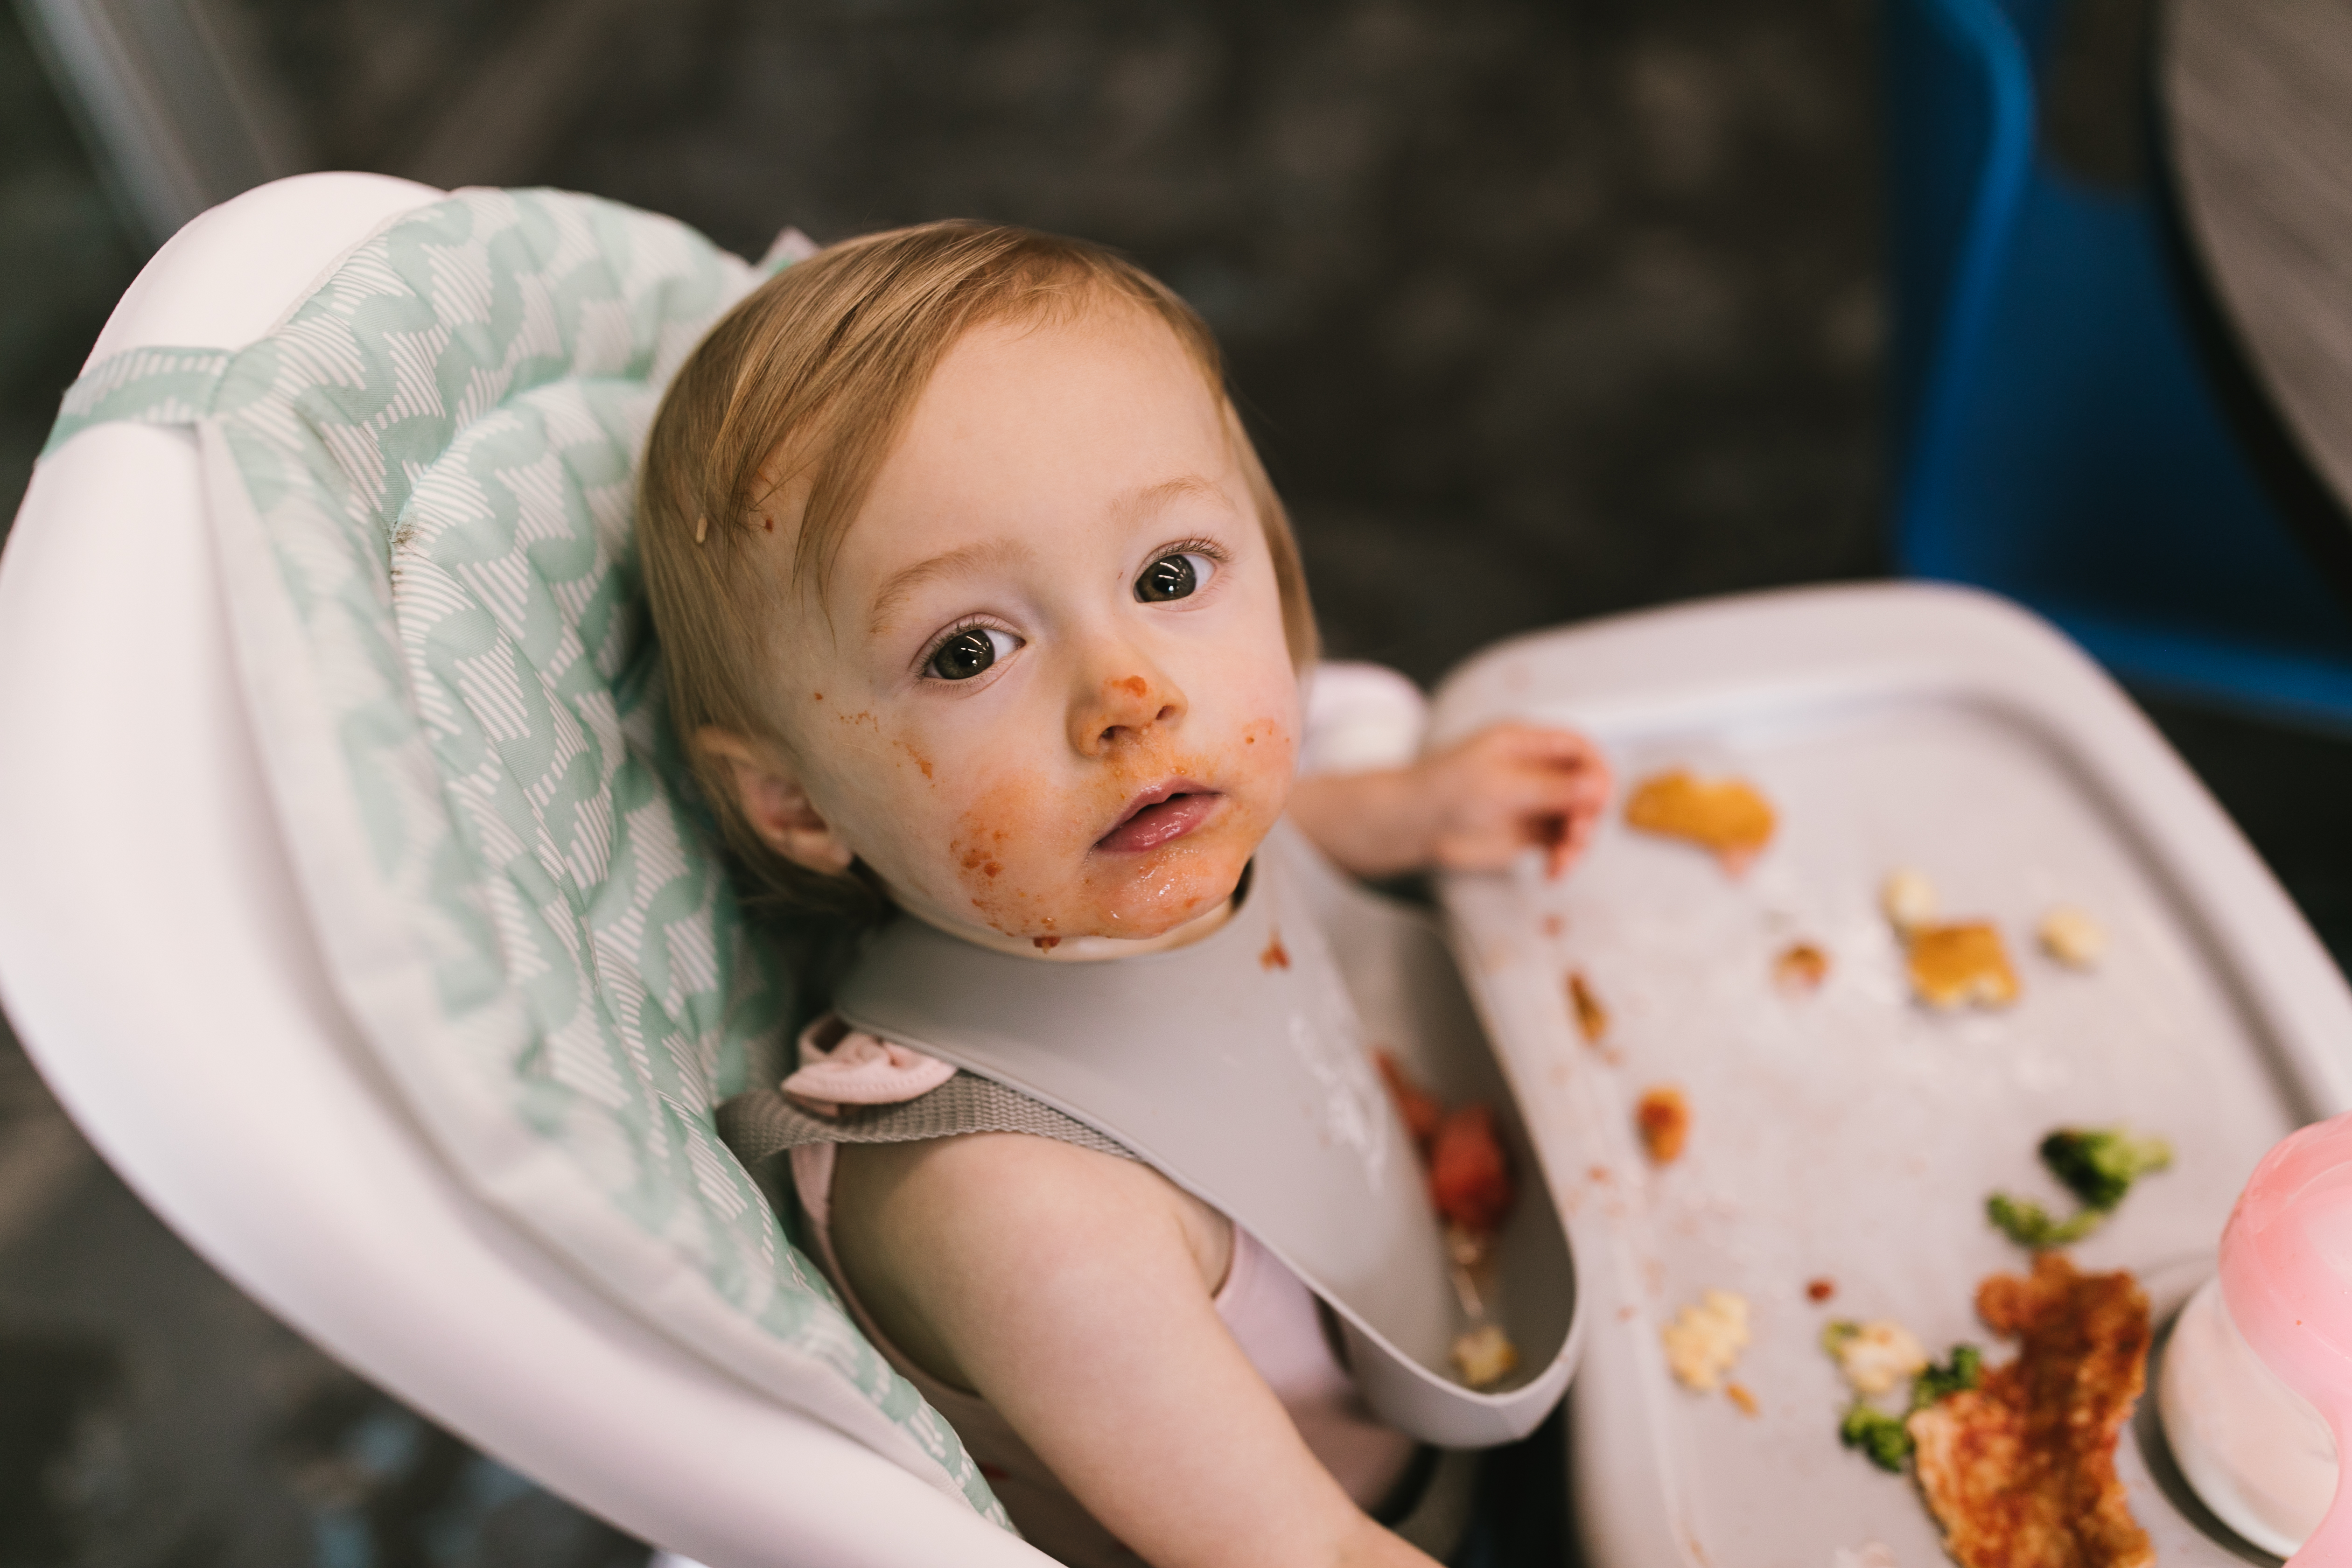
356,909
163,958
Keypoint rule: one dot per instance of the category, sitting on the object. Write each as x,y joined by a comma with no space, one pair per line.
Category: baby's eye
1175,576
969,652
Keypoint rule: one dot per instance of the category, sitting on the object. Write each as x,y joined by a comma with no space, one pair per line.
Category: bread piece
1726,815
2020,1470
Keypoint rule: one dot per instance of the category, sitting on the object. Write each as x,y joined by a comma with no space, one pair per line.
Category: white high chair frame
157,961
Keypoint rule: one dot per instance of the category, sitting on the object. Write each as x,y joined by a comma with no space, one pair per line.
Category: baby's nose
1123,709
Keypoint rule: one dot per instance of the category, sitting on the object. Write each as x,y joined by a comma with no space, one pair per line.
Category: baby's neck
1094,949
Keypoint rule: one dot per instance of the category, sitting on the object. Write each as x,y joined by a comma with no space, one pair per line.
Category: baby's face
1047,690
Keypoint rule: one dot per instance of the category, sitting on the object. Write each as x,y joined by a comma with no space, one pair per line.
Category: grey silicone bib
1240,1068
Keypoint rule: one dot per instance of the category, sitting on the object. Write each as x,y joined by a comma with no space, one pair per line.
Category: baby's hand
1470,807
1510,786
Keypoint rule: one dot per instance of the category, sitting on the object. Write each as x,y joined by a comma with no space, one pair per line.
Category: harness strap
761,1122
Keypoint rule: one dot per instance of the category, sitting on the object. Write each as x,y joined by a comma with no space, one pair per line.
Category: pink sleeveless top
1271,1314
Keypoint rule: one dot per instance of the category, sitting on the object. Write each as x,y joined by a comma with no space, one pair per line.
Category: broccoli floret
2028,1223
1877,1435
1954,1377
2099,1164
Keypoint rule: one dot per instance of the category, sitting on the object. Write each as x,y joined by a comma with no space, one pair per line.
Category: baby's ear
768,795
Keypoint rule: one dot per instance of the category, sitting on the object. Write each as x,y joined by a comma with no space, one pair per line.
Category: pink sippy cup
2287,1289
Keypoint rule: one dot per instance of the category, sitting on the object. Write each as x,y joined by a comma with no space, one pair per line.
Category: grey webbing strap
761,1122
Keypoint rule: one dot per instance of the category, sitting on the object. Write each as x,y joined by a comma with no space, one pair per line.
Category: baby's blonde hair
797,395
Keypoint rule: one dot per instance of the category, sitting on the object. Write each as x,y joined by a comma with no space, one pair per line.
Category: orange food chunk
1662,1118
1953,964
1591,1017
1420,1109
1740,1396
1801,967
1469,1174
1726,815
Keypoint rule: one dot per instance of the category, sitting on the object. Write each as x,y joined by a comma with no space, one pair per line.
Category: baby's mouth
1161,814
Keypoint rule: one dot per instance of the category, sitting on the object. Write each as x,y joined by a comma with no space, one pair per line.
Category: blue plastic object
2061,442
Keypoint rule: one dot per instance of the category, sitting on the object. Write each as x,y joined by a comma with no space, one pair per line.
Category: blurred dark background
1539,310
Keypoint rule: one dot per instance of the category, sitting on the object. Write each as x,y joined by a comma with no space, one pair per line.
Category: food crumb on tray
1952,965
1726,815
1738,1395
1662,1117
1704,1340
2020,1470
1874,1356
1485,1355
1591,1017
1820,1290
1908,899
2071,937
1801,967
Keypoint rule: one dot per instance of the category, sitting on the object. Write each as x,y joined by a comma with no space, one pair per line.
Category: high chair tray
1851,1134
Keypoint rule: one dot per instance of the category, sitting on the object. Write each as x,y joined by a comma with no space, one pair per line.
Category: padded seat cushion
422,485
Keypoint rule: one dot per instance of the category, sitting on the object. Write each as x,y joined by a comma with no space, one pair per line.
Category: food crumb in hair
2071,937
1662,1116
1591,1017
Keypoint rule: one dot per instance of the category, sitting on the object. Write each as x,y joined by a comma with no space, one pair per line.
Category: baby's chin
1130,896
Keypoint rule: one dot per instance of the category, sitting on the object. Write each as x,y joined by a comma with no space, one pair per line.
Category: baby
979,610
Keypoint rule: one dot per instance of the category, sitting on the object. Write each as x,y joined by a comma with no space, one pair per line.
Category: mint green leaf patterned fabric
426,533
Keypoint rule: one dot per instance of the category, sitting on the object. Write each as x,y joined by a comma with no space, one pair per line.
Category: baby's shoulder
1019,1199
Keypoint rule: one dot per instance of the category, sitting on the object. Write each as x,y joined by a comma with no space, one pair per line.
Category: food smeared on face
1059,691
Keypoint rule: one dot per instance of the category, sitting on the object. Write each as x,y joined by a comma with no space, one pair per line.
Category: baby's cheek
1002,851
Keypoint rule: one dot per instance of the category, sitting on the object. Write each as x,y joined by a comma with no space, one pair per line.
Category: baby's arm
1072,1290
1470,807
